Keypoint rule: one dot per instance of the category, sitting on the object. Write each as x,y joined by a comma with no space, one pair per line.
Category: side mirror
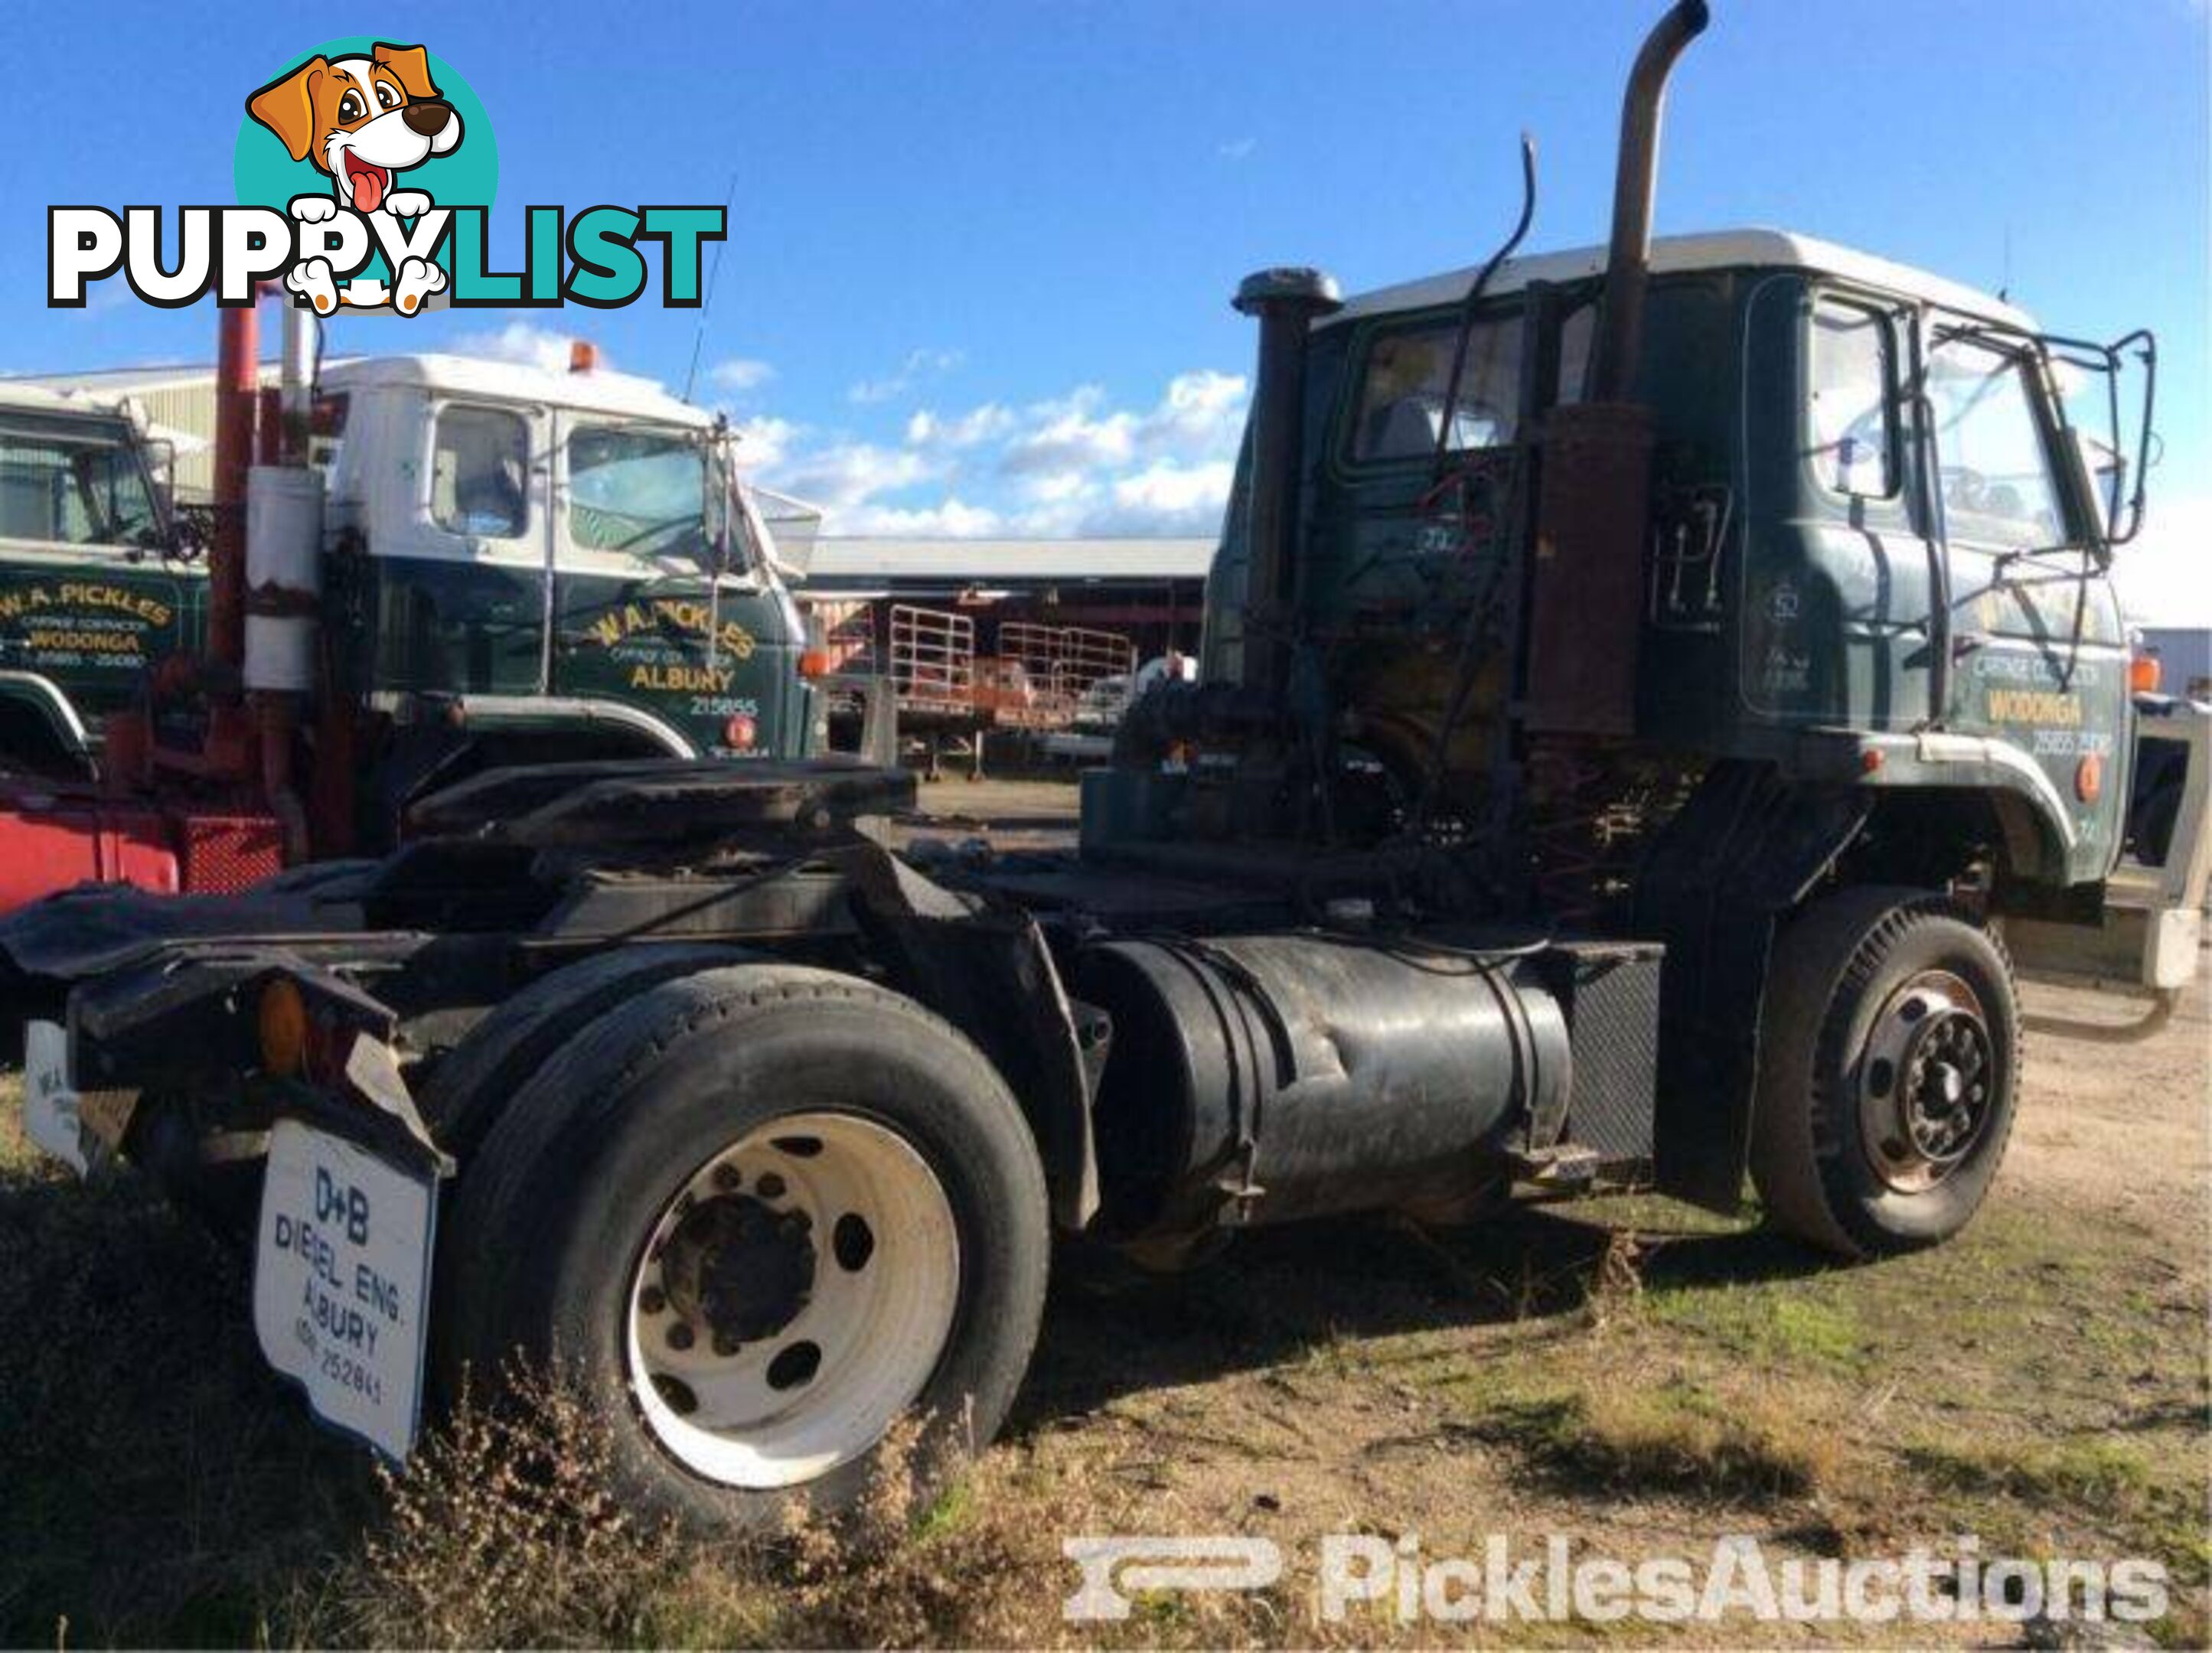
161,463
2106,469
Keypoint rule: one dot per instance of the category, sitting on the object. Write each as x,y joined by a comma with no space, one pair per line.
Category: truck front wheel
1889,1055
757,1215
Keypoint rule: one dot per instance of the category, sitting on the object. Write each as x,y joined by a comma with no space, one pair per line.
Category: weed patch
1675,1437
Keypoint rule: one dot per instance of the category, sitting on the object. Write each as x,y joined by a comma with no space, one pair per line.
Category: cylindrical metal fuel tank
1258,1078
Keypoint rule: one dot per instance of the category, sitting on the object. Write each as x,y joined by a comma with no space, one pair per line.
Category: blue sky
979,254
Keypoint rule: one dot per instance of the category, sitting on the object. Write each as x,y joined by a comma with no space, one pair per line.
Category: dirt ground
1636,1378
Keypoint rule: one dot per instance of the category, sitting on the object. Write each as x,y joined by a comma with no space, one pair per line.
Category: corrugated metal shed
179,401
2184,659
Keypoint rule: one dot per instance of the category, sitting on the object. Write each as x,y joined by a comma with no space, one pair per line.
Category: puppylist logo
365,172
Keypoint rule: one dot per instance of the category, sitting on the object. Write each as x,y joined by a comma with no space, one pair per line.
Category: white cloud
929,429
1168,486
765,442
741,373
1168,498
1070,465
919,365
1069,433
520,341
1058,487
1202,412
1199,417
954,518
848,475
2165,576
1237,148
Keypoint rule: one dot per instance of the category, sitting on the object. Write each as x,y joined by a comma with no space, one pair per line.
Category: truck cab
89,597
1883,511
541,553
494,564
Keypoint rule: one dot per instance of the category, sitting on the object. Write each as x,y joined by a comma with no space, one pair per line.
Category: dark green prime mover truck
1653,699
499,564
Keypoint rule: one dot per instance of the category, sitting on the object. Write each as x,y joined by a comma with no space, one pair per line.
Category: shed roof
997,562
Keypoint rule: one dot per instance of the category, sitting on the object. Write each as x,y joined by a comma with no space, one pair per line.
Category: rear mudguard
1747,848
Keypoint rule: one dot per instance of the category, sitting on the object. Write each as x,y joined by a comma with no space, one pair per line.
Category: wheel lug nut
726,1177
725,1346
680,1335
652,1300
771,1186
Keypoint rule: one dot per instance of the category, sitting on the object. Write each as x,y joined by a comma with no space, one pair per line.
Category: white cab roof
1722,249
597,391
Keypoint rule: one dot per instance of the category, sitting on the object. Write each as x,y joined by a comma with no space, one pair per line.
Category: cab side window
1994,468
479,472
1851,420
1402,400
1406,377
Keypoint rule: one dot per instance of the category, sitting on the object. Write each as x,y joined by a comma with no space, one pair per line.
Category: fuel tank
1263,1078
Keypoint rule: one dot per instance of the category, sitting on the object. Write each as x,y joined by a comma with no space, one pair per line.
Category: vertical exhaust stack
283,582
1635,181
1286,302
237,392
1593,489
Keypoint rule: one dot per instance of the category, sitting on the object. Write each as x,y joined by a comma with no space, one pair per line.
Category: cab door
461,571
1840,570
2038,651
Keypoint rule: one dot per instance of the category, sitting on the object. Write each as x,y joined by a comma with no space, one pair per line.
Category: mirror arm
2146,344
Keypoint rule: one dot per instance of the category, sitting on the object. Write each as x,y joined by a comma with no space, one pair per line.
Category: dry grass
501,1533
1677,1437
1637,1379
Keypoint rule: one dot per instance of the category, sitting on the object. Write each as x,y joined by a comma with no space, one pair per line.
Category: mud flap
986,969
1746,849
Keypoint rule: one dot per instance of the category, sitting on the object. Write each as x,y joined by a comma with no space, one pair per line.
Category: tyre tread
1834,954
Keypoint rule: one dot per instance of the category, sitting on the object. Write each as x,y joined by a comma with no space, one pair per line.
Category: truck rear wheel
468,1091
1888,1064
756,1216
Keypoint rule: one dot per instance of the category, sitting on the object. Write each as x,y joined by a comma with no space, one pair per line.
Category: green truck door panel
645,641
458,628
94,624
1838,584
2043,665
80,606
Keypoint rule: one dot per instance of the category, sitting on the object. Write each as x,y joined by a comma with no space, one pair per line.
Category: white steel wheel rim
758,1410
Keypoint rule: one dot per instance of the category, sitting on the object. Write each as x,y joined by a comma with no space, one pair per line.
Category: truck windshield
648,492
72,482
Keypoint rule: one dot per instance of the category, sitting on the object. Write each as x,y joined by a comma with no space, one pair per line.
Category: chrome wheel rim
1927,1081
792,1298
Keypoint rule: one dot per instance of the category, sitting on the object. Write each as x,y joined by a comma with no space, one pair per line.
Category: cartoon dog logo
363,121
